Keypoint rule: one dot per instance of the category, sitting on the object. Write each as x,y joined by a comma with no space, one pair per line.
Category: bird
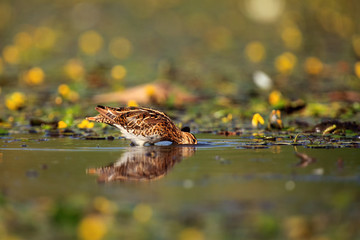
143,125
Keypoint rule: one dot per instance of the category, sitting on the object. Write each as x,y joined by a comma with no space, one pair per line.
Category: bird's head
187,137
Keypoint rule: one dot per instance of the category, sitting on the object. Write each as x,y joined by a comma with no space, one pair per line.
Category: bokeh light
285,63
92,227
118,72
255,51
313,66
23,40
142,213
15,101
263,11
11,54
34,76
191,233
74,69
357,69
44,38
90,42
292,37
120,47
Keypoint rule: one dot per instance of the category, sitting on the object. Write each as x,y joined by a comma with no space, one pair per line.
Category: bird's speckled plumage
143,125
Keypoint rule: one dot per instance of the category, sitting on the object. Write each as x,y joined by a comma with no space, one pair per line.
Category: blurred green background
231,51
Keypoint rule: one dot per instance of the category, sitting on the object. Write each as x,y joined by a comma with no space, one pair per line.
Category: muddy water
218,177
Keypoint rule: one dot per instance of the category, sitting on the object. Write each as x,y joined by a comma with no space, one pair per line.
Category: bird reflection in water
143,163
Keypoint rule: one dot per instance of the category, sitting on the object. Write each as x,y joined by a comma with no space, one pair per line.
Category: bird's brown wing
140,120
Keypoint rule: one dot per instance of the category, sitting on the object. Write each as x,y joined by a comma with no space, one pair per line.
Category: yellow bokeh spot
132,103
62,124
90,42
227,119
44,38
150,90
64,90
73,96
74,69
142,213
11,54
23,40
15,101
274,97
85,124
313,66
58,100
120,47
118,72
92,228
35,76
103,205
255,51
357,69
191,233
285,63
292,37
257,119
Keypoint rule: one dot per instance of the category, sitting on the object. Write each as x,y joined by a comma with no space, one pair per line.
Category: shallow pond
223,188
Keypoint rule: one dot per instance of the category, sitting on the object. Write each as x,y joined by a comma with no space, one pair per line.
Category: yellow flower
255,51
35,76
275,119
142,213
285,63
85,124
74,69
313,66
62,124
15,101
92,228
191,233
64,90
90,42
150,90
227,119
118,72
257,119
274,97
132,103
